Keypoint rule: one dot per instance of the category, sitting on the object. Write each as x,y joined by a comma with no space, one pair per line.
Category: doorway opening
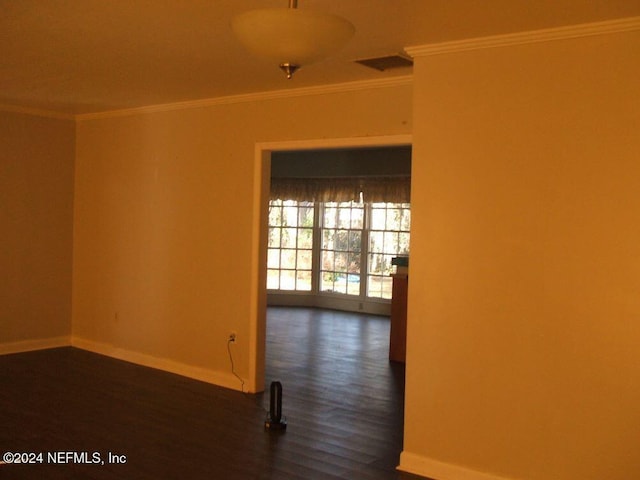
262,186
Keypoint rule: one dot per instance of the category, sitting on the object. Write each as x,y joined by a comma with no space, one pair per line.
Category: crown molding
36,112
521,38
253,97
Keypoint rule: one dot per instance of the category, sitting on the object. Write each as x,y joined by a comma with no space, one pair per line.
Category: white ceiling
84,56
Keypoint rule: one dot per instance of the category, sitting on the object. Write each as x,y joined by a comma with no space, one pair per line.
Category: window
290,246
340,252
336,248
388,237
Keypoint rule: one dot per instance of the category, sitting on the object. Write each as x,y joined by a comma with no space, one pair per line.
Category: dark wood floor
342,399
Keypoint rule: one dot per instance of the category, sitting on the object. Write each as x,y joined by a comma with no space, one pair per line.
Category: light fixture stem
293,3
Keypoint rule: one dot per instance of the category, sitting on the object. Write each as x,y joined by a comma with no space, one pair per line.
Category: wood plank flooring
342,400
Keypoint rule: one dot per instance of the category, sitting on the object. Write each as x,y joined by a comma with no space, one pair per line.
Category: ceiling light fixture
290,36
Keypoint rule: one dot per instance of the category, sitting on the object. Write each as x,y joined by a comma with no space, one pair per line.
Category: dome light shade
291,37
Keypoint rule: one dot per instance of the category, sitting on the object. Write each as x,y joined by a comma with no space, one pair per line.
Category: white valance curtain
395,189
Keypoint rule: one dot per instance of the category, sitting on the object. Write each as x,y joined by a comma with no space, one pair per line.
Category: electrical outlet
232,336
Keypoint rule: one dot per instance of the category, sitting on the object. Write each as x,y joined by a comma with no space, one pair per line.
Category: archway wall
524,299
167,216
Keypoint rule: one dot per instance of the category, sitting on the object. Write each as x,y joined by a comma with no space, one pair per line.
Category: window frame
296,248
365,254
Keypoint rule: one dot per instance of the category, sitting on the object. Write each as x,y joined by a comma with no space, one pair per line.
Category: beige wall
524,304
36,221
163,252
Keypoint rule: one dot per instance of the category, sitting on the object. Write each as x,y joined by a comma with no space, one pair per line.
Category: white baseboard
35,344
346,304
223,379
427,467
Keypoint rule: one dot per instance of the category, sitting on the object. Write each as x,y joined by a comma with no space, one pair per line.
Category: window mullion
364,252
315,246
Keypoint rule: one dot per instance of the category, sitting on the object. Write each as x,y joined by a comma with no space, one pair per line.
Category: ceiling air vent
386,63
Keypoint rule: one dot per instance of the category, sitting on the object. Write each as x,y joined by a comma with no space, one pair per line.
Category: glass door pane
340,250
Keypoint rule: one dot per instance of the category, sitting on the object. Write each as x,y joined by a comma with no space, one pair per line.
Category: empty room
152,293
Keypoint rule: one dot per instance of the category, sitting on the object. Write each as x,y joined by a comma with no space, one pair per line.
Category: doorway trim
261,187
